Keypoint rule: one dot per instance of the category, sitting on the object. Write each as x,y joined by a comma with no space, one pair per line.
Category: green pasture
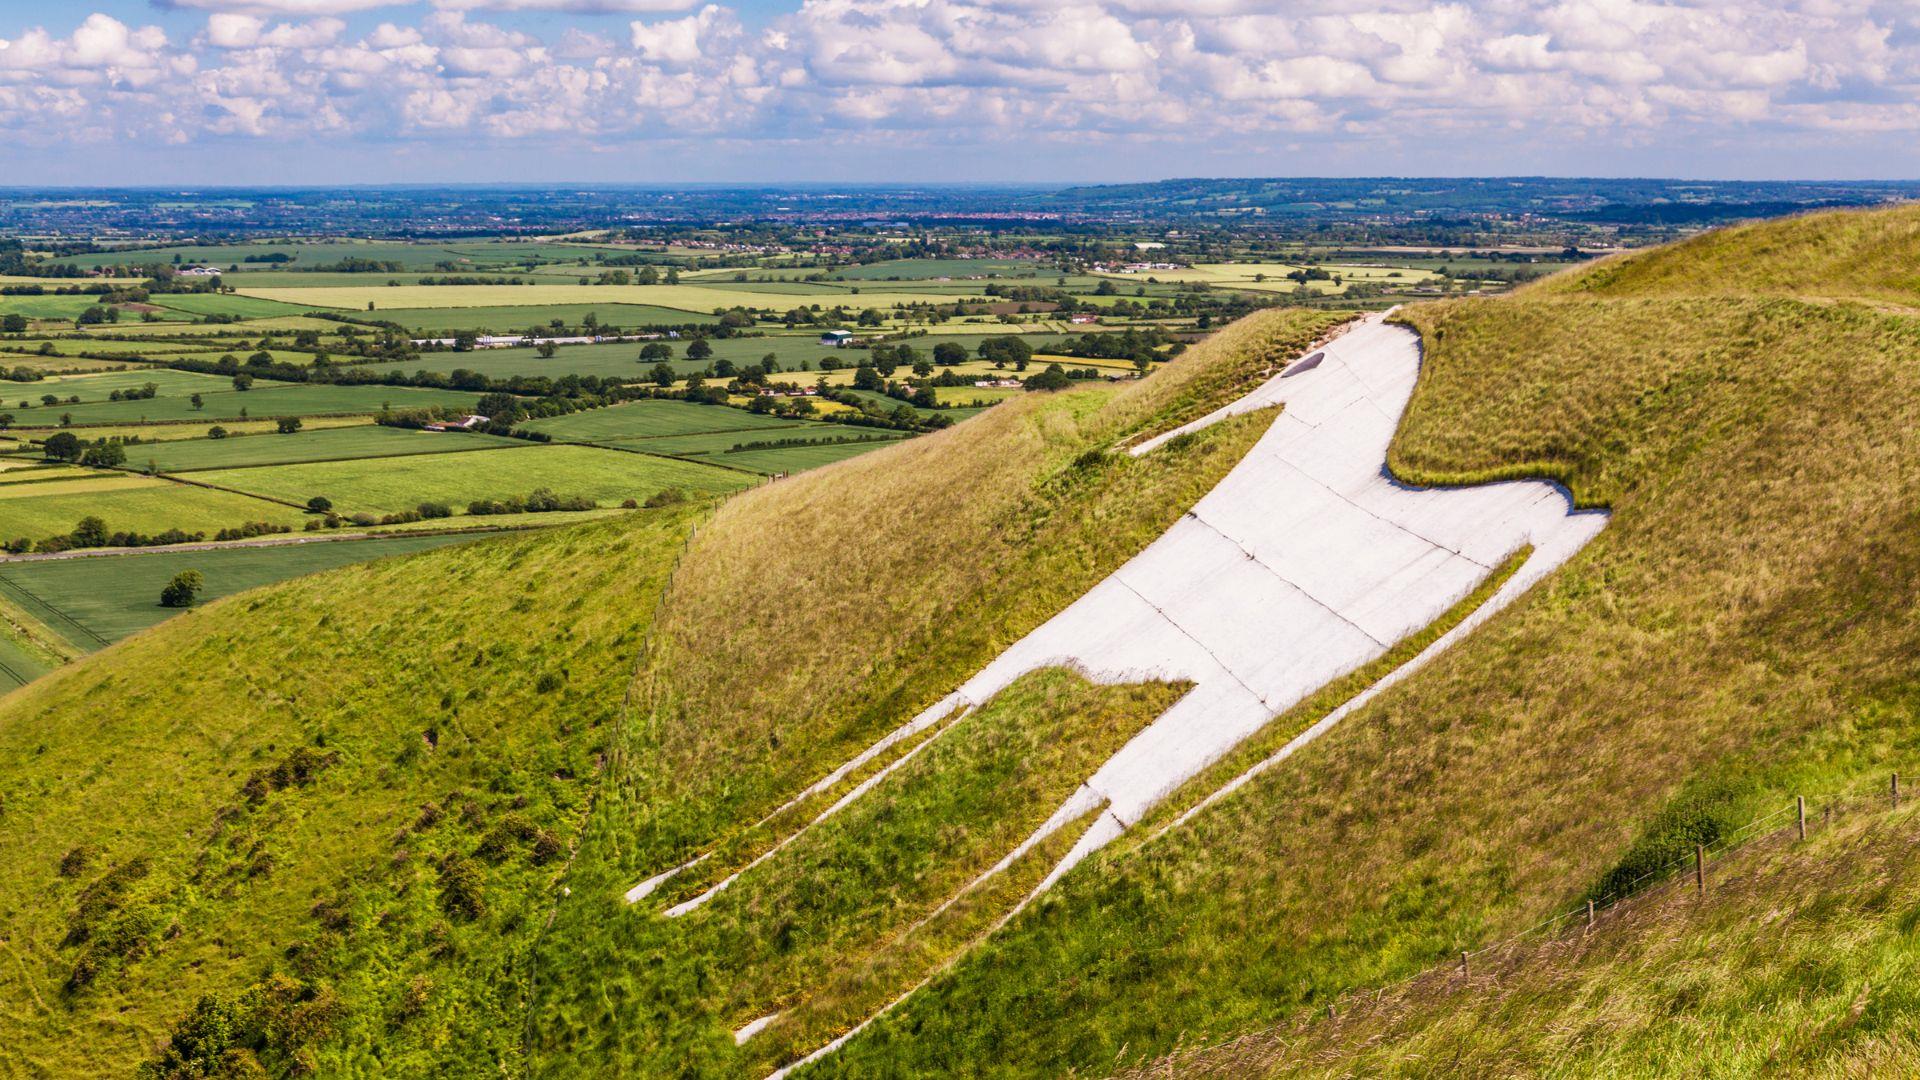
264,400
97,600
507,318
792,459
127,502
328,444
393,485
244,307
648,419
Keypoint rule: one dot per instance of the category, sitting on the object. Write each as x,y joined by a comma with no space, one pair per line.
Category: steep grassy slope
1732,636
1798,961
332,824
350,793
814,615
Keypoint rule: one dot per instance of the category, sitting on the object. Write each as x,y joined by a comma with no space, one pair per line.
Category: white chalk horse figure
1306,563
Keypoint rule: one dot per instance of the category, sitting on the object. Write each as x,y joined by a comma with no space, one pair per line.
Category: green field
125,502
264,400
925,269
55,307
647,419
92,388
792,459
97,600
718,443
328,444
19,665
468,256
392,485
97,346
245,307
509,317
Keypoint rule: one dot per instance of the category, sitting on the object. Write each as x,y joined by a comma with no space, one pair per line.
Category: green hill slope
1731,636
1797,961
378,821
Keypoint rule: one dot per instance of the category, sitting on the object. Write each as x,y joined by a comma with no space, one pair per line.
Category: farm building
837,338
196,271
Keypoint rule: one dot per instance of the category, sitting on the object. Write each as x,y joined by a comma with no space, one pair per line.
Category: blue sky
343,91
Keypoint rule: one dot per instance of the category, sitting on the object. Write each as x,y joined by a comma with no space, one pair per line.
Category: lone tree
288,424
656,350
546,349
320,504
699,350
243,381
181,591
197,401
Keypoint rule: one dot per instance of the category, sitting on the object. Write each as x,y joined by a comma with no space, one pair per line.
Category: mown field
328,444
649,419
393,485
501,316
96,600
689,298
130,503
264,399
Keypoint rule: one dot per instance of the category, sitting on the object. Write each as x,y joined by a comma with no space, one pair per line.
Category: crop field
511,317
648,419
792,459
90,388
331,444
97,600
922,269
14,471
129,502
265,399
245,307
467,256
693,298
719,443
74,346
19,665
393,485
152,433
278,324
49,307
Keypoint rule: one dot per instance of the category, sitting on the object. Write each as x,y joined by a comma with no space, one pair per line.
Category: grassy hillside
1798,961
1731,637
1869,255
336,807
332,824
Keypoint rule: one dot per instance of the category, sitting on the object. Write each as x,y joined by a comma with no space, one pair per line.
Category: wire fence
1798,818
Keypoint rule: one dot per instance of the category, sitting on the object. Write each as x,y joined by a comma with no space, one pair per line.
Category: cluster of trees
144,393
252,529
320,504
98,453
92,532
540,501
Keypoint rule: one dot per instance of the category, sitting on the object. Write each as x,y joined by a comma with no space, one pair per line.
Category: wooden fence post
1699,868
1800,809
1463,963
1896,790
1589,914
